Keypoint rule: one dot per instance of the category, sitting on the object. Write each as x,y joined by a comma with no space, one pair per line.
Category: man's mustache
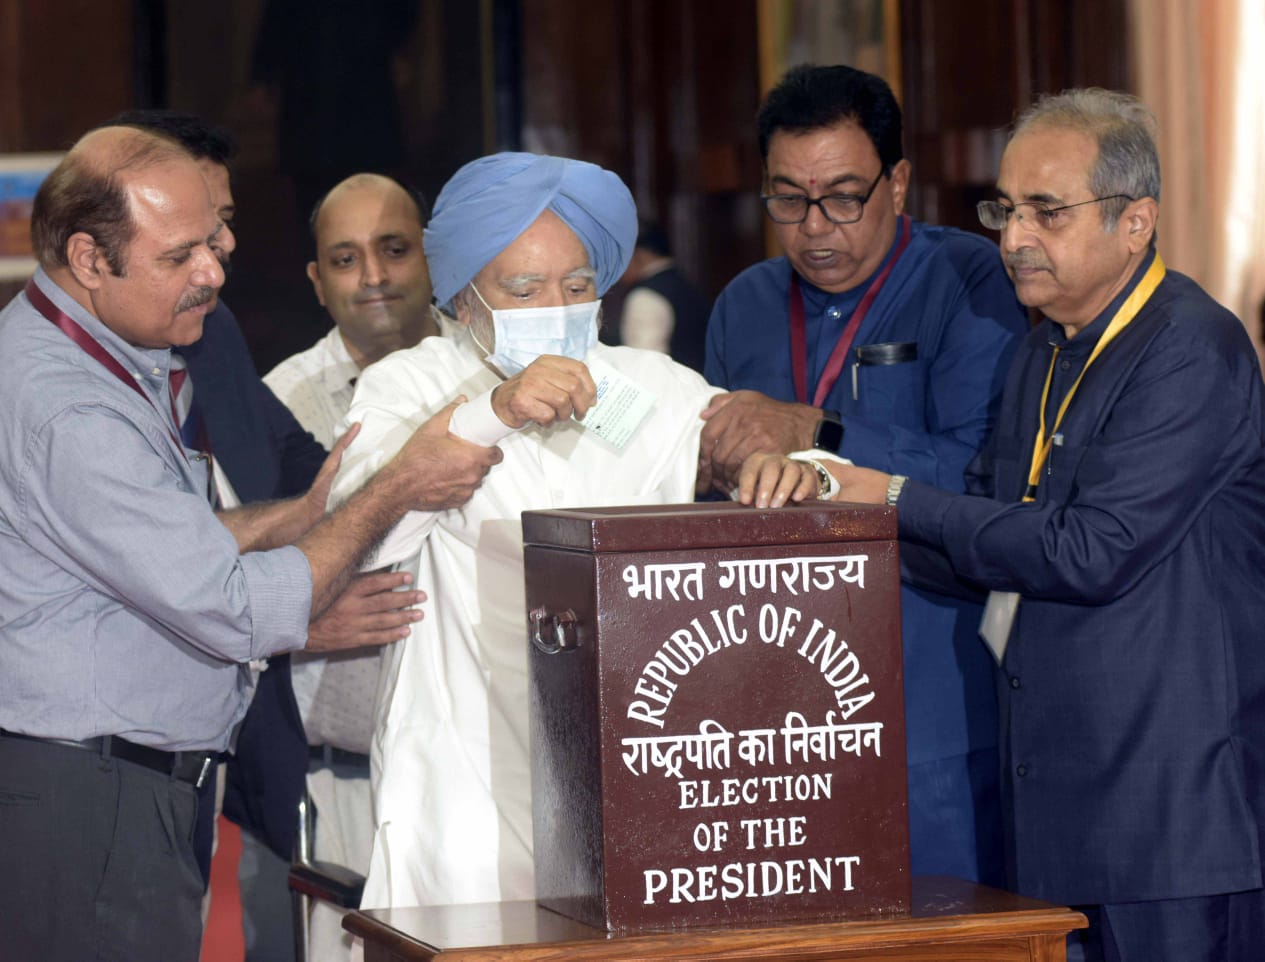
196,298
1026,260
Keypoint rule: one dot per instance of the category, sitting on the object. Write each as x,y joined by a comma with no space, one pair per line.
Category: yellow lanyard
1128,311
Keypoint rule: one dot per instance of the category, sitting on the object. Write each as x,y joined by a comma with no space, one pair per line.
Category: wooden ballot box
717,714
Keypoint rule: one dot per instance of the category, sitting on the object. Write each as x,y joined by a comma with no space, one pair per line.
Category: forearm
338,544
270,524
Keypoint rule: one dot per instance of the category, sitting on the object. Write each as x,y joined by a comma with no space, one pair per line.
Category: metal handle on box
554,633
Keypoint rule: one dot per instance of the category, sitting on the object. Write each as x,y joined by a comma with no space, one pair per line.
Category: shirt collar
142,362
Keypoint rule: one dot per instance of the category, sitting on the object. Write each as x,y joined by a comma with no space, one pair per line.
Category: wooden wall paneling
1103,53
64,67
651,72
714,216
665,94
67,66
453,91
960,65
10,75
1078,43
970,66
572,78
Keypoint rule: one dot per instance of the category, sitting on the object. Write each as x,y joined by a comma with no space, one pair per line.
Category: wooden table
950,921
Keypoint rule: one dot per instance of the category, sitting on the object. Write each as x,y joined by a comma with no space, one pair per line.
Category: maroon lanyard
799,335
67,325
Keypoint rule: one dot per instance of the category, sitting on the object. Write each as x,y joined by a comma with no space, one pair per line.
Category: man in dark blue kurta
1118,517
906,333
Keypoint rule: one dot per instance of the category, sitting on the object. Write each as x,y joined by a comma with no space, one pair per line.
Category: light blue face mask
525,333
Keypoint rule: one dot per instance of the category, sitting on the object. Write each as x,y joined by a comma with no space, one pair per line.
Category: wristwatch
824,480
894,487
829,433
827,483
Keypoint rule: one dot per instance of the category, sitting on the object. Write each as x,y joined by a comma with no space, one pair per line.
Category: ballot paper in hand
620,408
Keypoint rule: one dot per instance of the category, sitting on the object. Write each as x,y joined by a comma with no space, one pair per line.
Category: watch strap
894,487
828,435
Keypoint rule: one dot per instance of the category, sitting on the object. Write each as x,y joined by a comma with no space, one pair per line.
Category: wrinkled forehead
547,249
1046,163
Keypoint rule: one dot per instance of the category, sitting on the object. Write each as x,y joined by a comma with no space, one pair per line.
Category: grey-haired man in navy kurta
1118,517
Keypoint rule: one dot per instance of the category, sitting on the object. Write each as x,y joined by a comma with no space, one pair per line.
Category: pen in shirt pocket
1056,441
891,352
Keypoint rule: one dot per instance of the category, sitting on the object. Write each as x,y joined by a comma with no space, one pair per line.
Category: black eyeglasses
836,208
994,215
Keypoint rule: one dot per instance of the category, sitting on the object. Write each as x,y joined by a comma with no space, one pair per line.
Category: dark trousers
96,859
1214,928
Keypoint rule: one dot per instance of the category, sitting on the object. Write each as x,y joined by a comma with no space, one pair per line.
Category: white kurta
316,385
451,767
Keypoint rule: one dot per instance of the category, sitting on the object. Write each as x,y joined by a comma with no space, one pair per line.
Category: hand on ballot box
771,480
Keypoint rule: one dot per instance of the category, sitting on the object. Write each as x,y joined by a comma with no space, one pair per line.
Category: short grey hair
1128,162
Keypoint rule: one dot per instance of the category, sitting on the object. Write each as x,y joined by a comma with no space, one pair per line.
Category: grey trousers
96,859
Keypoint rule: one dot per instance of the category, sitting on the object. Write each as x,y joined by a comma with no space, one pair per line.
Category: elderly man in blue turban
520,249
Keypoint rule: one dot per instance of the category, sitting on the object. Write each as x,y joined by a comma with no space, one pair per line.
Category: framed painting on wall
20,177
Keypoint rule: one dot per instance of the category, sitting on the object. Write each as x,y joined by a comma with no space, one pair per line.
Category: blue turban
490,201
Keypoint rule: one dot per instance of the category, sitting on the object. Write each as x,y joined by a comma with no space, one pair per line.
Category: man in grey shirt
128,608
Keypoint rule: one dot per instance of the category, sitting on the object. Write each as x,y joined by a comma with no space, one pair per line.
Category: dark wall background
662,91
970,65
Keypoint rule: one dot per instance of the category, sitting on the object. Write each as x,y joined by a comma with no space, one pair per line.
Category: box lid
706,525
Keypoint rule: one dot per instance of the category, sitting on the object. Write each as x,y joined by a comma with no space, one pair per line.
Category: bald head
370,182
370,271
87,193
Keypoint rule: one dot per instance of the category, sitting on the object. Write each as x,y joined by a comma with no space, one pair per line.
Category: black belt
326,756
190,767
